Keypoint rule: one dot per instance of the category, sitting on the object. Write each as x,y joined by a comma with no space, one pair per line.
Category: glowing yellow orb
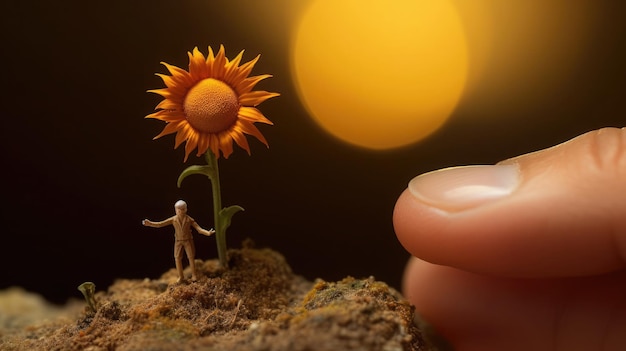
380,74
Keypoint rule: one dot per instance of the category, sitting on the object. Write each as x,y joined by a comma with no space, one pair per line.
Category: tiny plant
89,290
209,107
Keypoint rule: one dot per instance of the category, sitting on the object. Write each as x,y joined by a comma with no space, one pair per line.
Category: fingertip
555,212
406,216
433,235
420,228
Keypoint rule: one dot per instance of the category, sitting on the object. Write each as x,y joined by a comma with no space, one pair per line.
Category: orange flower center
211,106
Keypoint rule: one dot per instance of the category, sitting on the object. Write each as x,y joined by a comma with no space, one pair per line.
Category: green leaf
196,169
226,214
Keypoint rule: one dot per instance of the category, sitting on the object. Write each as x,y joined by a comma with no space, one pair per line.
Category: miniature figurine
182,232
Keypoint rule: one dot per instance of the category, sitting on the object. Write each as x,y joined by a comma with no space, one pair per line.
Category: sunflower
212,104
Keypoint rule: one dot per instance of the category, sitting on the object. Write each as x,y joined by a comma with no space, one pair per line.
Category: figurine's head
180,207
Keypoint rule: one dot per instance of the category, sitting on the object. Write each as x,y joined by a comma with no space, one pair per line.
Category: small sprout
89,289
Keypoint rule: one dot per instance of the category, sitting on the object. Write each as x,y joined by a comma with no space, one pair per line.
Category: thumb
556,212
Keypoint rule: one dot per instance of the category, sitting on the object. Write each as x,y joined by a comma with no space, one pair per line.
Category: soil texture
257,304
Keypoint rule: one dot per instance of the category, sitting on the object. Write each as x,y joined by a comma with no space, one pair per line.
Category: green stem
222,216
220,231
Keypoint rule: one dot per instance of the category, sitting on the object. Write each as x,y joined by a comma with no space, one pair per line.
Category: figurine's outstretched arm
202,230
149,223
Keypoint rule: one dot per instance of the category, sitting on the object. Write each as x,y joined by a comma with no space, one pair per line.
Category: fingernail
460,188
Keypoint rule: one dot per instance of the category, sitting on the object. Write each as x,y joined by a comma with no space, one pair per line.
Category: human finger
486,313
556,212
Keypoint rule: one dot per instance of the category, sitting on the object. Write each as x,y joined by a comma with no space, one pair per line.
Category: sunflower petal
219,63
197,65
179,75
183,134
226,144
169,129
232,69
256,97
168,105
203,144
164,92
214,145
175,70
169,82
245,69
192,143
210,59
167,116
247,84
240,139
174,95
249,128
253,115
156,115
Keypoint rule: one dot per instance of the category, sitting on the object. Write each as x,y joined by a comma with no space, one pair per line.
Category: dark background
80,171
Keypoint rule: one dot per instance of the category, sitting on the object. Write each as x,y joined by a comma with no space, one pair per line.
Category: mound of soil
256,304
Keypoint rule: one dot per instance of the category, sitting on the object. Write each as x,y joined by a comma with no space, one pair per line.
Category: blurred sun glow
380,74
523,53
